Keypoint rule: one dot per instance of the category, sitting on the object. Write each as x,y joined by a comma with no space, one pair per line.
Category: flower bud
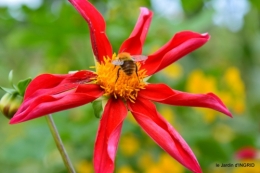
10,103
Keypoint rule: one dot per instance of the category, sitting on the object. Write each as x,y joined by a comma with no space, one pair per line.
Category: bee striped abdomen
128,67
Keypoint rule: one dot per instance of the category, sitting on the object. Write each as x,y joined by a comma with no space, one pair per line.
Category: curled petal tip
14,120
145,10
206,35
177,47
228,113
223,109
134,43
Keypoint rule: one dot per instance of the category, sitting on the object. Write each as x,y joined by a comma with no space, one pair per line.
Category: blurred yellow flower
129,144
145,161
235,84
173,71
215,169
169,165
198,82
232,93
154,168
165,164
234,81
84,166
131,118
168,114
125,169
223,133
253,167
209,115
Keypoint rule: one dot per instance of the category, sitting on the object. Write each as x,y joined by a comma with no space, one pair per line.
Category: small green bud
10,103
97,108
13,98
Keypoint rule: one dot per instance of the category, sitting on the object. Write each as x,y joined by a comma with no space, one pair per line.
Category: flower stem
59,144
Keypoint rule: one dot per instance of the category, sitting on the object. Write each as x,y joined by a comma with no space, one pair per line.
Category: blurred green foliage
54,38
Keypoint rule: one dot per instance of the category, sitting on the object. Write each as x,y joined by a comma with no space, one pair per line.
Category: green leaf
8,90
97,107
208,144
256,4
22,85
191,8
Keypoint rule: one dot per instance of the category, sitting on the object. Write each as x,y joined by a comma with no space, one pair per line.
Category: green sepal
22,85
10,77
97,108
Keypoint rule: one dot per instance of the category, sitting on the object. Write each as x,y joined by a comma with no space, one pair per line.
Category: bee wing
139,57
117,62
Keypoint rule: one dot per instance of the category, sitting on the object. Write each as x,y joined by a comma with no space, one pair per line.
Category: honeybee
127,63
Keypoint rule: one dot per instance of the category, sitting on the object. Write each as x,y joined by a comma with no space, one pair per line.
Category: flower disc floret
116,82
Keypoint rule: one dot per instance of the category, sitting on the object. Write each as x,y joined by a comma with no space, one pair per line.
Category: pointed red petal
163,133
97,26
164,94
134,43
108,135
180,45
52,93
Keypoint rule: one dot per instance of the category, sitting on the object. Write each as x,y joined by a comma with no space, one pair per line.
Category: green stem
59,144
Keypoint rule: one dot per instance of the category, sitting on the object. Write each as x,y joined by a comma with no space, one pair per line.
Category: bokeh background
49,36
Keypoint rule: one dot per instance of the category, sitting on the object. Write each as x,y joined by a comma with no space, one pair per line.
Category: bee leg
117,74
136,72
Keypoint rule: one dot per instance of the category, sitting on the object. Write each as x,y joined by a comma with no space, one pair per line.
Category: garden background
50,36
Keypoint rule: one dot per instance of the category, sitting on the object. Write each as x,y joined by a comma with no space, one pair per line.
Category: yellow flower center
120,81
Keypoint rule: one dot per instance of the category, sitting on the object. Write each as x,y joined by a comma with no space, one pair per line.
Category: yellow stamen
117,83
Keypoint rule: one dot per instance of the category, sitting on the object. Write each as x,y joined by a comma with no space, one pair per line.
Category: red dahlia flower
49,93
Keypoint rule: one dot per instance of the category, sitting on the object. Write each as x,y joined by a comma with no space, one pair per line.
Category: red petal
164,94
54,84
97,26
52,93
46,104
163,133
180,45
108,136
134,43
